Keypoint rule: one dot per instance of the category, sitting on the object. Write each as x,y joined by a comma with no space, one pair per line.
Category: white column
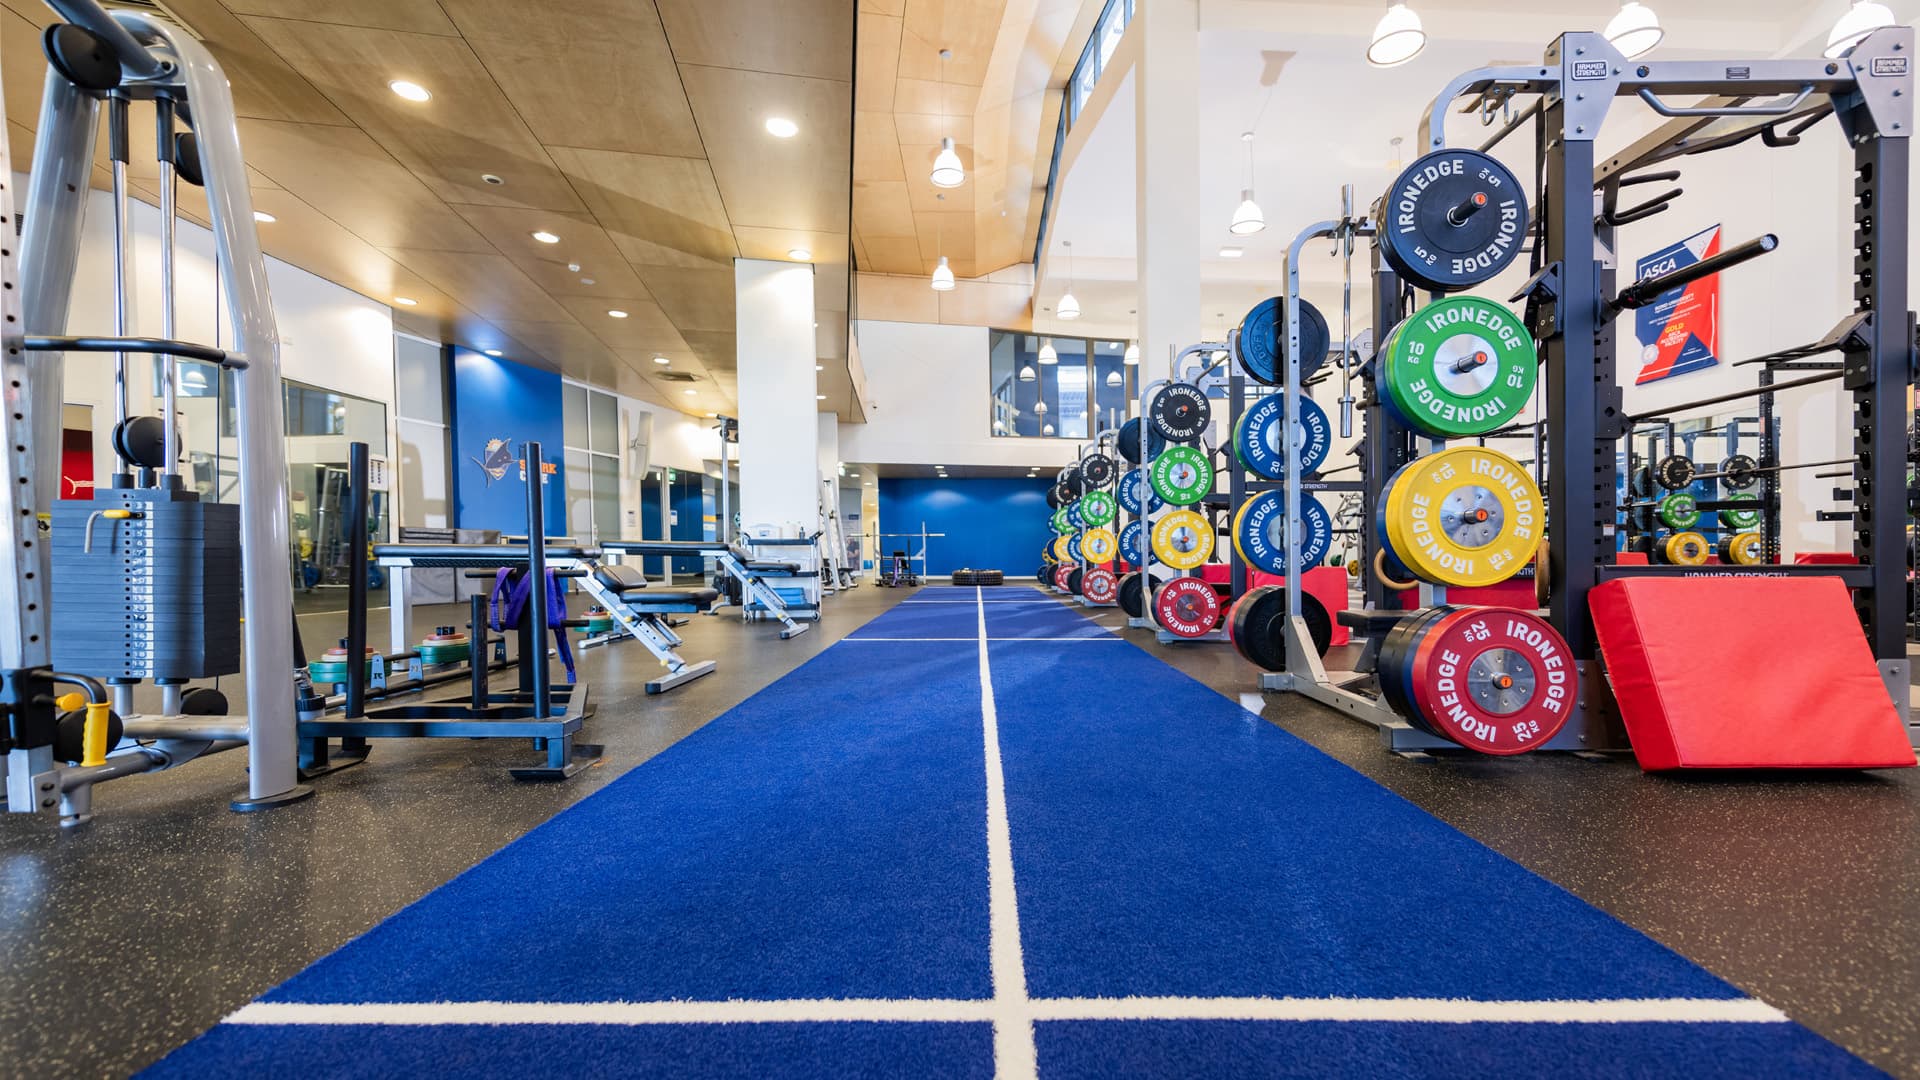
1166,171
773,304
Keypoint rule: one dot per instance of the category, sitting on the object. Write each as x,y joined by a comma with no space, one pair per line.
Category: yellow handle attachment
69,701
94,737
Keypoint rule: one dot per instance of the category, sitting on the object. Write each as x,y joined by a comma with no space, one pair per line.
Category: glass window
603,423
1058,399
320,426
419,380
580,495
1113,383
573,415
606,497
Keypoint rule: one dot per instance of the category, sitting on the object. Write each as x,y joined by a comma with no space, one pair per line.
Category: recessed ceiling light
1232,252
617,313
412,91
492,179
690,393
264,218
819,397
661,360
573,268
405,301
493,352
545,237
800,255
781,127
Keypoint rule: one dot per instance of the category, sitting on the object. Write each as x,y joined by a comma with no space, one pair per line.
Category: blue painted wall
990,523
499,399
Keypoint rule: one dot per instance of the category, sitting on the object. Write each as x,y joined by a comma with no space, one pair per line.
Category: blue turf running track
1099,867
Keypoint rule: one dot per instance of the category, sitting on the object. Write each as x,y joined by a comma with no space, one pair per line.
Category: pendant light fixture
942,273
1854,24
1039,408
1047,355
1068,308
1635,29
1133,353
1114,379
1048,430
1027,374
1397,38
1247,218
947,170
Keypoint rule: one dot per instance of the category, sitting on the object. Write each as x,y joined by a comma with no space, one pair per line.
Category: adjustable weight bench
741,565
642,612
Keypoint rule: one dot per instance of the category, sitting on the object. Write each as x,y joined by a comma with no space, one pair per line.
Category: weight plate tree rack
1145,561
1659,439
1870,93
1389,444
1103,444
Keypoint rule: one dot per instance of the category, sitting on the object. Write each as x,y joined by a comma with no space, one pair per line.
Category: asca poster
1680,331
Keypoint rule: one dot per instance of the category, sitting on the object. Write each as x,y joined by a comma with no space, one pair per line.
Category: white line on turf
856,1010
1014,1056
1082,637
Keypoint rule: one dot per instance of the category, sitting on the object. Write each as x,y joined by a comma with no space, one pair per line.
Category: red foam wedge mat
1745,673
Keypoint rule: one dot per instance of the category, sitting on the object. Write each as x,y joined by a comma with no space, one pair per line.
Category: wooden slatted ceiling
632,130
997,98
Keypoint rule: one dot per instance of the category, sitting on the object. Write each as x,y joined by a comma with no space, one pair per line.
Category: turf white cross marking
869,1010
1013,1053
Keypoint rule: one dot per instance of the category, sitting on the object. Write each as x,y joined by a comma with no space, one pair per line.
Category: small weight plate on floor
1685,549
1745,517
1468,516
1256,624
1451,220
1256,438
1739,472
1182,476
1182,539
1097,470
1099,545
1678,510
1460,366
1674,472
1496,680
1060,574
1131,537
1743,549
1180,413
1133,487
1127,441
1076,580
1259,532
1263,346
1099,586
1186,607
1098,508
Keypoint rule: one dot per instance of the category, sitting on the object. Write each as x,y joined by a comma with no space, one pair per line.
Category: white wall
331,337
931,402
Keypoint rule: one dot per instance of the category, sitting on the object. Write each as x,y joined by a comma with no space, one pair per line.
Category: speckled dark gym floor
125,937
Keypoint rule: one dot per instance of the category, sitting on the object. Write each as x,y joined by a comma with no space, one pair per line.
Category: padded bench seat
700,598
664,547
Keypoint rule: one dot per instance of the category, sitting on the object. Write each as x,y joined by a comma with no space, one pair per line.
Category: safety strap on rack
511,590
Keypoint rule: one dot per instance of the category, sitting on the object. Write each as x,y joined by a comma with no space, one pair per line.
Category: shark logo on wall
495,460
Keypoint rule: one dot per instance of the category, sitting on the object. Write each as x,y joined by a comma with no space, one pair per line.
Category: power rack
1573,297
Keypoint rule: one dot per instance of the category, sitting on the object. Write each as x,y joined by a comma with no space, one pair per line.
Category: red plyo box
1745,673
